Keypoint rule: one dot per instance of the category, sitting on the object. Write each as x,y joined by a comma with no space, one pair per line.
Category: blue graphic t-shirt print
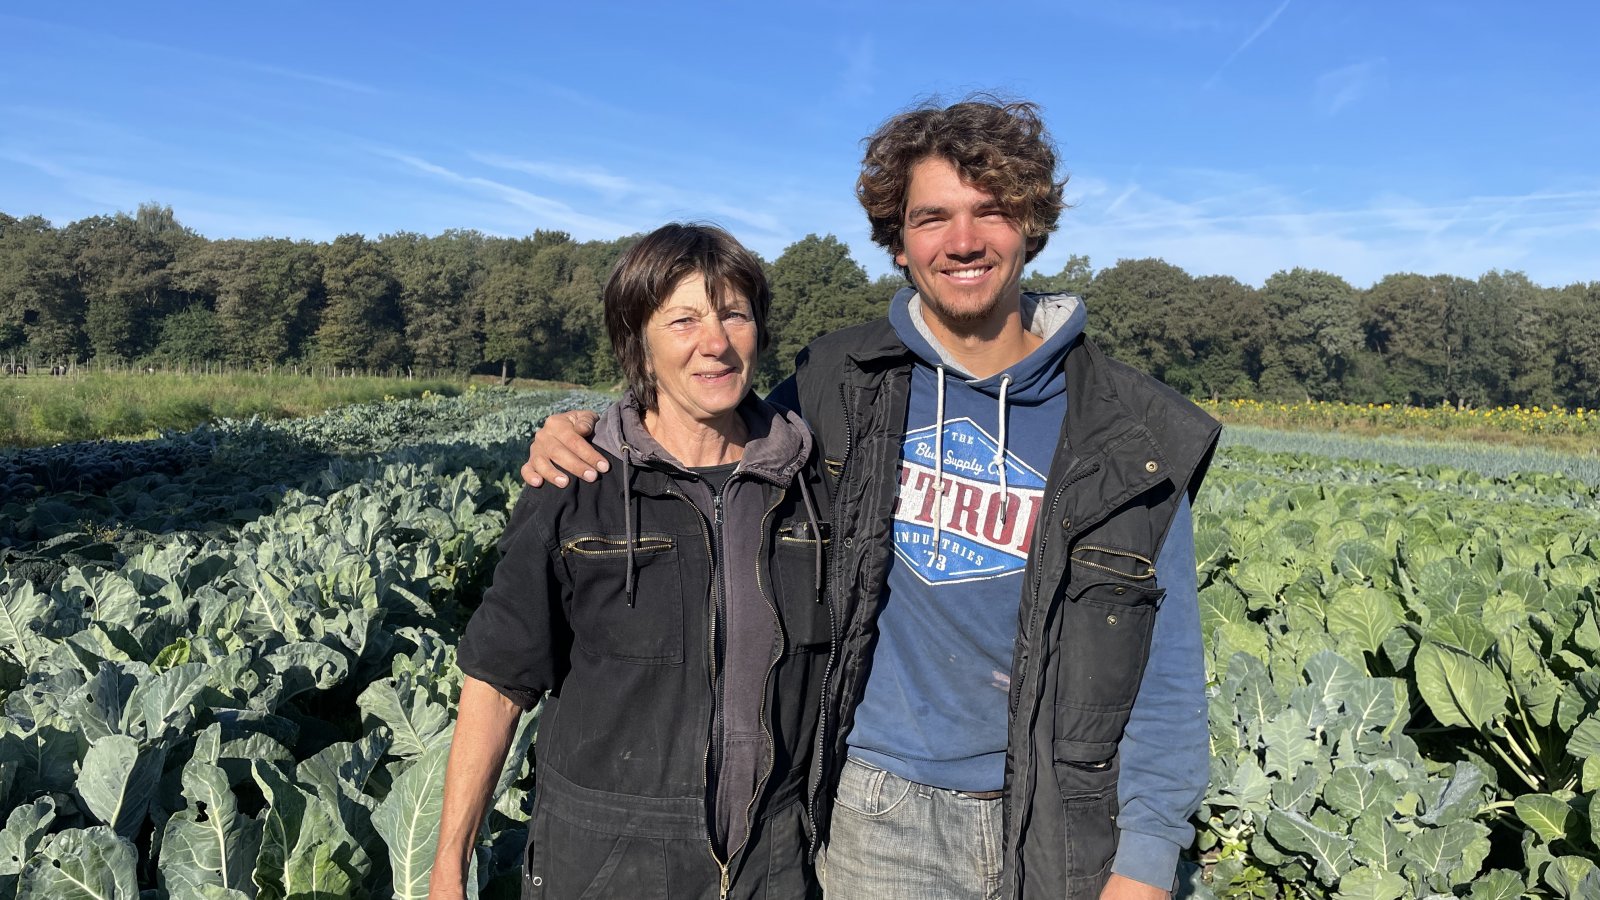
975,540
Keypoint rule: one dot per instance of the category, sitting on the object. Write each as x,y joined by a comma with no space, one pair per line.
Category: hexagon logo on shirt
976,541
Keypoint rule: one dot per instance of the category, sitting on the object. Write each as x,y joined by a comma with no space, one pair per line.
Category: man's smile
968,273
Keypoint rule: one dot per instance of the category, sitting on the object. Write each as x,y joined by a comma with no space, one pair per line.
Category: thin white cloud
1343,86
78,178
81,191
645,200
172,52
1260,30
591,177
547,212
1121,199
1254,232
574,97
58,119
343,84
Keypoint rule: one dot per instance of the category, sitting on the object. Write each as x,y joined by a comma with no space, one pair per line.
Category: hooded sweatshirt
935,706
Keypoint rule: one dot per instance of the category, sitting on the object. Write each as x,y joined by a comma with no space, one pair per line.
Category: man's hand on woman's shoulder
561,448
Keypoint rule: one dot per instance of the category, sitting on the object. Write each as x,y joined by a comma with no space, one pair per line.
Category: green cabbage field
227,661
1406,676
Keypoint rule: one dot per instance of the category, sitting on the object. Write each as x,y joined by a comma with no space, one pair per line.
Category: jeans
893,839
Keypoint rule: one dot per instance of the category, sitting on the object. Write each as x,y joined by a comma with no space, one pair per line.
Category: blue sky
1238,138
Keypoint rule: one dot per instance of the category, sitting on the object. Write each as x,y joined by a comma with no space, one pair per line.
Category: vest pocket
650,630
1089,808
1122,563
1106,628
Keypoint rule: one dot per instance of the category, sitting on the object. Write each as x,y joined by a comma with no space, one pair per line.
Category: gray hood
1057,318
778,444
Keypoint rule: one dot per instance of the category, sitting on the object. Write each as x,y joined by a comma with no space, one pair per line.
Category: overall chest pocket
804,607
650,629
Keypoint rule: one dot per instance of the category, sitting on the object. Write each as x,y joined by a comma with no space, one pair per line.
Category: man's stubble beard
973,315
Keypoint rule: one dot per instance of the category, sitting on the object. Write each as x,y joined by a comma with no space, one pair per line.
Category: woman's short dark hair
653,268
1000,147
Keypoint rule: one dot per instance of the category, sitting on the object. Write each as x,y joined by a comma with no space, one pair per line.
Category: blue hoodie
934,709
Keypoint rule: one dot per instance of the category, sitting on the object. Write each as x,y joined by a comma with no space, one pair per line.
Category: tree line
142,289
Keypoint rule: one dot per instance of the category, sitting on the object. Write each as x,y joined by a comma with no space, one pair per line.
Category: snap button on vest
1111,620
1151,466
1066,523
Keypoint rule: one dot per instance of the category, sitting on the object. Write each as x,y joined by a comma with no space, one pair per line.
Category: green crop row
1406,681
1449,457
227,664
237,680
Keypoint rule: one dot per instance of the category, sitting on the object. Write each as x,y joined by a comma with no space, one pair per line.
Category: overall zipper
716,552
761,784
705,768
715,650
714,745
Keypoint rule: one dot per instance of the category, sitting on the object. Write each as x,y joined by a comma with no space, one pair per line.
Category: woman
674,615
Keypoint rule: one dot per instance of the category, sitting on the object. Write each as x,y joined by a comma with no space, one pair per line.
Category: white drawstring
1000,453
938,463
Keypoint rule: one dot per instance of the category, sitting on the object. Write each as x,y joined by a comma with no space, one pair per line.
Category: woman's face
702,357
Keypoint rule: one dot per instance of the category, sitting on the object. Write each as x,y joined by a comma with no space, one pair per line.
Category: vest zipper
844,400
833,632
1038,577
1022,787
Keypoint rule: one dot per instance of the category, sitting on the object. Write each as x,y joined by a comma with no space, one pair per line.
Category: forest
141,290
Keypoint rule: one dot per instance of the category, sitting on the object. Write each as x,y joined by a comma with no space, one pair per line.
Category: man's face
964,252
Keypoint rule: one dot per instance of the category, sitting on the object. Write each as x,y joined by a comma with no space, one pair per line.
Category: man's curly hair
1000,147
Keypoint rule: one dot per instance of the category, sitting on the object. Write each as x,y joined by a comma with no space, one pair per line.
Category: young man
1016,704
